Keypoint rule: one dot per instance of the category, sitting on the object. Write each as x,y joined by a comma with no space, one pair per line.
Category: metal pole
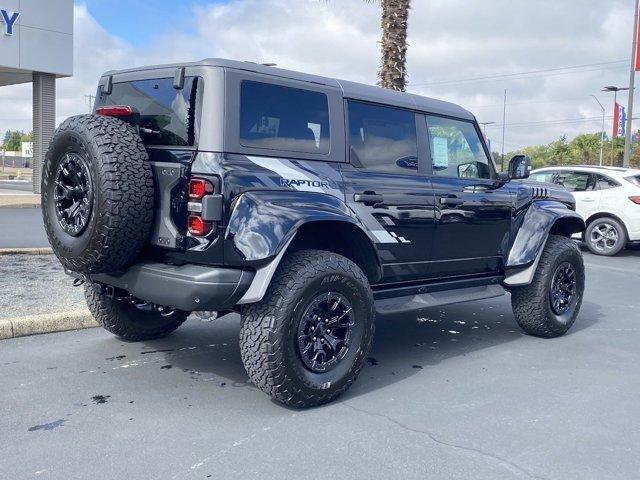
504,119
602,131
632,75
615,102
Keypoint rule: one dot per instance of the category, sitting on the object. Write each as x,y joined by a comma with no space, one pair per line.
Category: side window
382,138
542,177
604,183
574,181
456,149
283,118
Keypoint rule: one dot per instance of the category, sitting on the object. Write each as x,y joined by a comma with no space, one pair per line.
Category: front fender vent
540,193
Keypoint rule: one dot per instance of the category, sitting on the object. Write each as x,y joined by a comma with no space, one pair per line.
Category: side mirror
519,167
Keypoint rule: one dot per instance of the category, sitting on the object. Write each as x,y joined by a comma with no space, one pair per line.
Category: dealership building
36,46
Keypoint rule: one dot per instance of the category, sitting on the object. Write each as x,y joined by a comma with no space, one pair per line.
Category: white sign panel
35,36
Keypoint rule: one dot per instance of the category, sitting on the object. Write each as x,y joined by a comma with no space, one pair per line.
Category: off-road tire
269,328
531,303
618,246
121,216
128,322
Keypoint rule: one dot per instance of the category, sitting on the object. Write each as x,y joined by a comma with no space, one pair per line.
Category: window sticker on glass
440,153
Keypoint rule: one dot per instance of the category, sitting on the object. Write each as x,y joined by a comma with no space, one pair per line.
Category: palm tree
393,72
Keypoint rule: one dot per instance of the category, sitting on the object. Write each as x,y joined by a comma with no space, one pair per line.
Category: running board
409,303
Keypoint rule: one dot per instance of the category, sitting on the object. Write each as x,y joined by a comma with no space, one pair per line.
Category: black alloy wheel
73,194
324,331
563,288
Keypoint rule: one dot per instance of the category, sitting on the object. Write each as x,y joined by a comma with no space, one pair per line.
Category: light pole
504,122
615,90
602,132
632,78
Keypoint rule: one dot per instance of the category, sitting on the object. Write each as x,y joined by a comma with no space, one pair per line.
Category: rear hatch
165,111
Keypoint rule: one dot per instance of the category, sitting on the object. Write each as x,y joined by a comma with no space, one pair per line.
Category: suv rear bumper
186,287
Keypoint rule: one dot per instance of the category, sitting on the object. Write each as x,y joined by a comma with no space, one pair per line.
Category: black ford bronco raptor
306,204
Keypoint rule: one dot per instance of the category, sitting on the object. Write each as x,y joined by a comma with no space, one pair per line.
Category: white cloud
449,39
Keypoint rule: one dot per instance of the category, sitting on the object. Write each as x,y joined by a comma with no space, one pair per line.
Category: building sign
619,120
9,19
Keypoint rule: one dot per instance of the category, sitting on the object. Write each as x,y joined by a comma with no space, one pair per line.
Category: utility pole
504,120
632,78
602,132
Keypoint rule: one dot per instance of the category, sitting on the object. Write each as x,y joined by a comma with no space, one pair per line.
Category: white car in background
608,198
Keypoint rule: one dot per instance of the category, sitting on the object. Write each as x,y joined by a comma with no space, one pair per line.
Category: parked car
608,198
307,204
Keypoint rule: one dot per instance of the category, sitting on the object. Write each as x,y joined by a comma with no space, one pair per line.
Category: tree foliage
582,150
12,141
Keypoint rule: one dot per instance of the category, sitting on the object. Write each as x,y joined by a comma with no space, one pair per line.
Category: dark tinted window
575,181
456,149
382,138
165,115
283,118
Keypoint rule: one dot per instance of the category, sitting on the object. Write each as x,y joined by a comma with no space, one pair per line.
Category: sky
464,51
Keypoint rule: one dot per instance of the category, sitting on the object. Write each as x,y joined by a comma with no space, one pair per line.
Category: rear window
165,116
283,118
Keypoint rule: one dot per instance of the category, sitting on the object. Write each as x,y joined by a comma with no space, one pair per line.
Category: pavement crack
500,461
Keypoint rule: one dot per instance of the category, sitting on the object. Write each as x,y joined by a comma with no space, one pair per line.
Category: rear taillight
197,226
635,199
115,111
198,188
202,217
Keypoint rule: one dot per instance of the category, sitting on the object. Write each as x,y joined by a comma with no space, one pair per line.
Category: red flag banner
616,119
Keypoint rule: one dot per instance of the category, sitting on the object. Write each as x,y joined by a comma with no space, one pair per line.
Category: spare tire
97,194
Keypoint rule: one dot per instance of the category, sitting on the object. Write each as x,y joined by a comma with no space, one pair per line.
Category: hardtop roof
352,90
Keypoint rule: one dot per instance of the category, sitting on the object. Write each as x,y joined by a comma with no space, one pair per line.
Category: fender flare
262,224
541,219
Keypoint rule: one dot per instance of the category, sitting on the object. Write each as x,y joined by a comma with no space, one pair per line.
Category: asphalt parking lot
457,392
22,228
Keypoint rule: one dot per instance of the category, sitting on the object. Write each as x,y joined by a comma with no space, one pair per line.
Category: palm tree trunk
393,73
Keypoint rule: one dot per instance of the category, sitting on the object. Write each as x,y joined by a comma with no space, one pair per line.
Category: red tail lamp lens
198,188
197,226
635,199
115,111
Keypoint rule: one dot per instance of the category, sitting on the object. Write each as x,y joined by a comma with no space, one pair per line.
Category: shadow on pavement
404,344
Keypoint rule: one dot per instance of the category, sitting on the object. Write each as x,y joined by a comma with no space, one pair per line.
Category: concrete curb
24,200
25,251
46,323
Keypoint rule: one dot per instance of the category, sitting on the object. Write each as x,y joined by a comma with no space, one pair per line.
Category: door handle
588,199
368,198
451,201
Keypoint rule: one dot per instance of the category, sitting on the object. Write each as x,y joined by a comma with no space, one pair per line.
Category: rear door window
290,119
382,138
165,116
604,183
